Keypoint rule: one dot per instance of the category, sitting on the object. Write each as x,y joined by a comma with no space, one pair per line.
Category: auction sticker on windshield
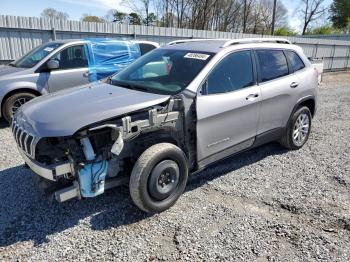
197,56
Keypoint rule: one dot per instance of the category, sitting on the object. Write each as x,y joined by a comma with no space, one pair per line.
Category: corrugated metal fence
18,35
344,37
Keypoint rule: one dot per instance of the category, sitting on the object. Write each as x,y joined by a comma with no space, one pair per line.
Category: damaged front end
100,156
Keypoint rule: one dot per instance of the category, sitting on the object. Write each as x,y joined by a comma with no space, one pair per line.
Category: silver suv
172,112
61,64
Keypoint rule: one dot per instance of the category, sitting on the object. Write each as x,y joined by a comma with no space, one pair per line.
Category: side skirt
268,136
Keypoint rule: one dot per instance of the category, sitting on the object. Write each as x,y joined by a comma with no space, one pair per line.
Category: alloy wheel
19,102
301,129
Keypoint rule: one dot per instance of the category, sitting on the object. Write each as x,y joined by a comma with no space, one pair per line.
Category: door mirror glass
52,64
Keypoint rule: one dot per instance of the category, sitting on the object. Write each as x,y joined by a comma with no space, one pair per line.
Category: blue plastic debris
109,56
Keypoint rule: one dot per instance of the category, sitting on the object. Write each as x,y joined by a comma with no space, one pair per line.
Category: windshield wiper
11,64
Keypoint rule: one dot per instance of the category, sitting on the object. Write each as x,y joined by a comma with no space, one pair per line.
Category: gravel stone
266,204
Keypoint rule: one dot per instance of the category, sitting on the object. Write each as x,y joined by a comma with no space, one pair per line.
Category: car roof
211,46
66,41
217,45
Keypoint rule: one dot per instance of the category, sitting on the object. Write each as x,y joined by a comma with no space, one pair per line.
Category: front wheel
298,129
14,102
158,178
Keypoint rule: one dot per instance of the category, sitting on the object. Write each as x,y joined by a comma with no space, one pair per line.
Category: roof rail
256,40
193,40
230,42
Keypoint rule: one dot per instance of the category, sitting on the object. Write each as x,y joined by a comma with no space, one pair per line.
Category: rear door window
272,64
295,61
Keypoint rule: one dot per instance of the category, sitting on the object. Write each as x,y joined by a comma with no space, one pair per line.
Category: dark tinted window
72,57
295,61
145,48
234,72
273,64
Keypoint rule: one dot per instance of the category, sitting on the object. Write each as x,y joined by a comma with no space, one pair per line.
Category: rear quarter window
295,61
272,64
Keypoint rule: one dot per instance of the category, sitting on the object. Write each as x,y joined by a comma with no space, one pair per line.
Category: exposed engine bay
101,156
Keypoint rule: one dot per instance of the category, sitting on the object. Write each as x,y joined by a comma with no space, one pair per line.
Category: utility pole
244,16
273,17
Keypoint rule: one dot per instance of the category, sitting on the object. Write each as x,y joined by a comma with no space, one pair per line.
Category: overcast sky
75,8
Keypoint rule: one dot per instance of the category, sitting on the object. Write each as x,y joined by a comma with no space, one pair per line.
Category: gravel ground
265,204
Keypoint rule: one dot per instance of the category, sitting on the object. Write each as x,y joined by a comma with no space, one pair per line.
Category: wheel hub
163,179
301,129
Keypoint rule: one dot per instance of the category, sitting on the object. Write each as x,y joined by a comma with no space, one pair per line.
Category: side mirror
52,64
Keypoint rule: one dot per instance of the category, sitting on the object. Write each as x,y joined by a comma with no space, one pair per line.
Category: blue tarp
109,56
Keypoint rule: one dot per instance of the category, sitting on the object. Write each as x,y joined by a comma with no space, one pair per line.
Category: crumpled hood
63,113
9,70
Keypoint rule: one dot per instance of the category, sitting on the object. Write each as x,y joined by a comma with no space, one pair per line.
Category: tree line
246,16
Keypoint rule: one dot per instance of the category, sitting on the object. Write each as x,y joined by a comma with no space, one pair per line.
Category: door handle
86,74
252,97
294,84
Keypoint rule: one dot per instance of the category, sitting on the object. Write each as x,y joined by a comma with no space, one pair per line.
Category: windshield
163,71
36,55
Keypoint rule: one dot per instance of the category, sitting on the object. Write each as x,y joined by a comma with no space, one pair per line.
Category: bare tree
311,11
180,7
141,7
249,16
54,14
248,6
266,13
116,16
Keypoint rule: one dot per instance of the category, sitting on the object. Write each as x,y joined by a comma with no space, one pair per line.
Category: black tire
149,190
287,140
12,101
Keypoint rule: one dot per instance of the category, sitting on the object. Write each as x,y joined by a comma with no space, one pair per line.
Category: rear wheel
298,129
158,178
14,102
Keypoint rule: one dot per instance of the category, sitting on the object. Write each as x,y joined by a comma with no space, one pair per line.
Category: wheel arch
141,143
159,136
309,102
15,91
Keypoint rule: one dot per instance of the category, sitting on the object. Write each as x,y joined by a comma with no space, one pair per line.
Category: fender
18,86
301,101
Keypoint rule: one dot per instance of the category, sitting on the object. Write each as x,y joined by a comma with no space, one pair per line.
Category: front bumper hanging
51,172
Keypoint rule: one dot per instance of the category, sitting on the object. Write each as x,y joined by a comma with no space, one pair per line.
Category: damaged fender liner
130,129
